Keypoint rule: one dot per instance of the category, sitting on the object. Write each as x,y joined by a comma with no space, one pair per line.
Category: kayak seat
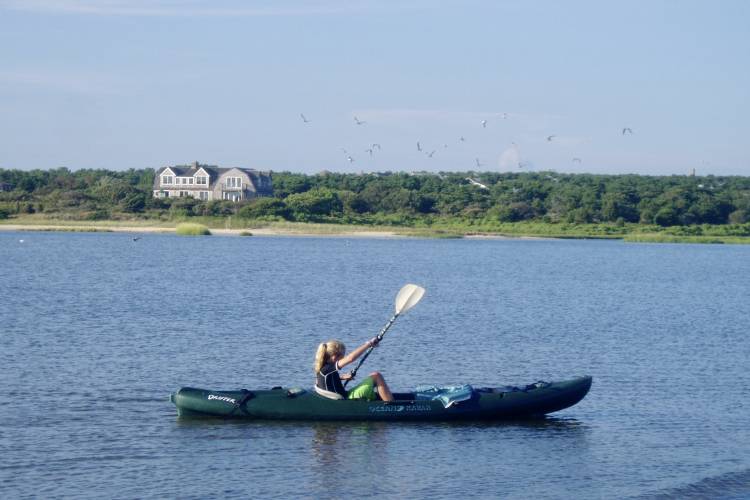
328,394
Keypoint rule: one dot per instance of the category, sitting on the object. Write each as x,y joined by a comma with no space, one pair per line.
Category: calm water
97,330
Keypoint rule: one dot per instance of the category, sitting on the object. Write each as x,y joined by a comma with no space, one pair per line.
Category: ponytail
320,356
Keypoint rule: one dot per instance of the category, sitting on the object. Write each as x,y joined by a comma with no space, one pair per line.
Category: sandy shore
265,231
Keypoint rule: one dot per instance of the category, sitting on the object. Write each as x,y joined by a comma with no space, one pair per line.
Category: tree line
395,198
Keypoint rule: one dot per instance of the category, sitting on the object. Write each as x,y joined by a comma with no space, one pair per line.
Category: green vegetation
192,229
545,204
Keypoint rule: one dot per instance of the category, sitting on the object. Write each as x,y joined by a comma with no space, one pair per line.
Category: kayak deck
299,404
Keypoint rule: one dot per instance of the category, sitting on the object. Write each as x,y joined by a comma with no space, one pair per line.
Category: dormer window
201,180
166,179
234,182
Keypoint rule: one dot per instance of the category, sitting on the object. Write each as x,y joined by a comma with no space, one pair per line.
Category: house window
204,195
234,182
184,180
232,196
201,180
184,193
166,179
190,180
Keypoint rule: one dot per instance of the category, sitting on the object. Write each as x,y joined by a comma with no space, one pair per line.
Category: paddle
407,298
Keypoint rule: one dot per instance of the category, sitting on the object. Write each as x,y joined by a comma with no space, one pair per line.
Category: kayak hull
298,404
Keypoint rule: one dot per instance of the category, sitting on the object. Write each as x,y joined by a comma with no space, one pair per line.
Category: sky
120,84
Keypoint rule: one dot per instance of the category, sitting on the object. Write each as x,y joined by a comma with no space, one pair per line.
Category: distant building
212,183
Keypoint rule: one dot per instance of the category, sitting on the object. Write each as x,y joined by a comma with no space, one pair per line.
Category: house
211,183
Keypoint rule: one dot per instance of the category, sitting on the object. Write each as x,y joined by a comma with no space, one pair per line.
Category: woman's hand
346,376
373,342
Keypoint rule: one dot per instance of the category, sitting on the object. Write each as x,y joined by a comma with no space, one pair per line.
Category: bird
136,238
505,116
550,137
476,183
626,130
375,145
419,146
576,160
303,118
369,150
484,123
358,121
479,164
429,155
350,159
462,139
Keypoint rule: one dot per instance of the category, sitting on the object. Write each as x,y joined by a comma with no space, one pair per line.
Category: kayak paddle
407,298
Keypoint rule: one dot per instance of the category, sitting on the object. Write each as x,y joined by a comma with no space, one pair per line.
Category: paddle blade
408,297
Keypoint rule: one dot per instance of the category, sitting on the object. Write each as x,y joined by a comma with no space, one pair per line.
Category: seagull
462,139
626,130
478,163
358,121
136,238
429,155
419,146
505,116
369,151
375,145
576,160
350,159
550,137
476,183
484,123
303,118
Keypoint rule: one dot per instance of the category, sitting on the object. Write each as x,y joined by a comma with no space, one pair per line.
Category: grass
192,229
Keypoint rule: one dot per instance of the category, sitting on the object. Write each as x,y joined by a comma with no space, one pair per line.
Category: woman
331,357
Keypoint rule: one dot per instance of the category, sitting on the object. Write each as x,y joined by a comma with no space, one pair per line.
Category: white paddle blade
408,297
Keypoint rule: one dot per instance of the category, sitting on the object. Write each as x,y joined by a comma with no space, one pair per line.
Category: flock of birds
429,152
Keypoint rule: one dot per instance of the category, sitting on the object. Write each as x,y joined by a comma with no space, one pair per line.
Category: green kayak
281,403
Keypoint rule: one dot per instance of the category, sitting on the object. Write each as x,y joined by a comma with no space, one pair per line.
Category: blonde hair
325,351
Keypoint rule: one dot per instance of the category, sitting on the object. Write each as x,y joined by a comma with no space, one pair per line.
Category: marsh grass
192,229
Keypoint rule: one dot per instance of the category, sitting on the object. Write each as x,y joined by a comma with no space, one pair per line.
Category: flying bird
375,145
479,164
484,123
462,139
550,137
419,146
358,121
350,159
369,151
303,118
476,183
429,155
626,130
576,160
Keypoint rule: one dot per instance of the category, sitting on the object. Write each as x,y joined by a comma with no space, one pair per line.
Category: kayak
279,403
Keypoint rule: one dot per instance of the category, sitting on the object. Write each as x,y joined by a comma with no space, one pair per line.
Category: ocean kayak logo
398,408
226,399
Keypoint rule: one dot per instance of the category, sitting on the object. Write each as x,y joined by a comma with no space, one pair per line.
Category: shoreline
335,232
313,230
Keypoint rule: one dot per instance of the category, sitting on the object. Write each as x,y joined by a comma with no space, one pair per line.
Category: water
98,329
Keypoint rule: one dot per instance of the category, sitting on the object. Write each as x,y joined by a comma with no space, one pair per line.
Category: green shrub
192,229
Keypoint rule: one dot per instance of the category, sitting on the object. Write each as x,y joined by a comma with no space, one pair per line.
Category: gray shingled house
212,183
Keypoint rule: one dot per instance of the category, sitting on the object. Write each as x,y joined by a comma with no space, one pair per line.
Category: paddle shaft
364,356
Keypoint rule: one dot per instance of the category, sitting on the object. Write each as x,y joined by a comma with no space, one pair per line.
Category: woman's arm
352,356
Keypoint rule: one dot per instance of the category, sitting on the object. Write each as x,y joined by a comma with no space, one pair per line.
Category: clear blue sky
146,83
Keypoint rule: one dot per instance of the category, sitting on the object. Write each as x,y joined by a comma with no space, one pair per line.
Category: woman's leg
383,391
